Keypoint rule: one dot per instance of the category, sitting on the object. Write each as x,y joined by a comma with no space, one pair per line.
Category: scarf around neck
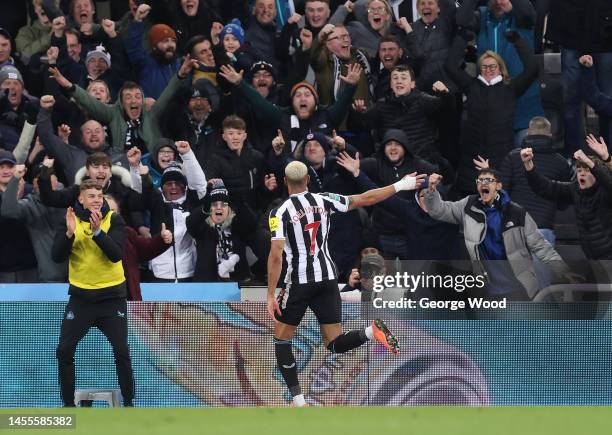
495,80
132,136
361,58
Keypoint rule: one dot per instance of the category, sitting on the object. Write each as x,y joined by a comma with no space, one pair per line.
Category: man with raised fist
40,221
590,193
499,235
71,157
17,260
183,186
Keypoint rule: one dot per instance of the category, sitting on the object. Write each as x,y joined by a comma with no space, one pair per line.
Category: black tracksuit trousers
110,317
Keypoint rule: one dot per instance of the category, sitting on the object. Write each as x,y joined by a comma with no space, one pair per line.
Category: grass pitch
323,421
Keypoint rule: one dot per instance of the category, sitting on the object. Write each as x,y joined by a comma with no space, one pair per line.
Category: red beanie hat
304,85
159,32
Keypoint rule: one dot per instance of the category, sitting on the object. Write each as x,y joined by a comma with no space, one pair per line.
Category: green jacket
33,39
114,116
323,66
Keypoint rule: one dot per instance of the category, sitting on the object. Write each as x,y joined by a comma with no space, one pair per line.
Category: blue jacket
493,251
153,76
492,247
154,171
520,236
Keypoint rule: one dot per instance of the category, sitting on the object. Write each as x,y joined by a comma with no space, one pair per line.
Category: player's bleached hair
296,172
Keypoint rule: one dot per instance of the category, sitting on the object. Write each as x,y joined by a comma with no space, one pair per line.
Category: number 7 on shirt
312,229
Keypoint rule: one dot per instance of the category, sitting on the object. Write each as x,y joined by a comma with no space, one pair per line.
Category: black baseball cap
200,90
7,157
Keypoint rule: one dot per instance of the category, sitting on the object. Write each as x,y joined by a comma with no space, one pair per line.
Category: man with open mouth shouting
112,179
305,114
500,237
372,24
331,54
130,124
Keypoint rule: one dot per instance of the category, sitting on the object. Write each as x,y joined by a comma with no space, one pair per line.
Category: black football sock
286,365
347,341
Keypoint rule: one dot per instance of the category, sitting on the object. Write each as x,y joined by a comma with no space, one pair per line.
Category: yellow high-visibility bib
89,268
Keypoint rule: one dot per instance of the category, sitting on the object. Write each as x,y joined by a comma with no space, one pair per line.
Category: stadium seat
551,92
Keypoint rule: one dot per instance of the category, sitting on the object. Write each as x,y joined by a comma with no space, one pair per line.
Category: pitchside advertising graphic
221,354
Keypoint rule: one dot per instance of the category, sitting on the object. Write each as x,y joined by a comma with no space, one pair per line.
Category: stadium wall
220,354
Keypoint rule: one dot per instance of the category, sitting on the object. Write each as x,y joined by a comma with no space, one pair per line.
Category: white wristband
407,183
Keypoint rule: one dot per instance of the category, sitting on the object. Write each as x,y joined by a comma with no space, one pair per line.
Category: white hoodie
178,261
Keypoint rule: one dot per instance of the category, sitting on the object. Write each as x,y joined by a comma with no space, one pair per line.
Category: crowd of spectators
186,112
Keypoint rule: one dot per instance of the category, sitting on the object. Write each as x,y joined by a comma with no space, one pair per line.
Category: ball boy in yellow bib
93,242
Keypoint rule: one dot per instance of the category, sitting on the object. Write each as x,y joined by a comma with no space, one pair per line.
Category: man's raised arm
374,196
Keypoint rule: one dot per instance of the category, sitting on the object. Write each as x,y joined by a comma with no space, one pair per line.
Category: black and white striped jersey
303,222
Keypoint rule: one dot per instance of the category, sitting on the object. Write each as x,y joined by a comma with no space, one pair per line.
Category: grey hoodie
42,223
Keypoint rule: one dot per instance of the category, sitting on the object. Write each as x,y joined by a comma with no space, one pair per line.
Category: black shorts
323,298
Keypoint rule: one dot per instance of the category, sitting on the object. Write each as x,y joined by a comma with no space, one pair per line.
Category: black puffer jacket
380,170
431,49
593,208
263,41
242,174
409,113
488,130
549,163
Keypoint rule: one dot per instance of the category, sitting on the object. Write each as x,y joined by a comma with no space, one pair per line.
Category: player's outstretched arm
374,196
275,264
